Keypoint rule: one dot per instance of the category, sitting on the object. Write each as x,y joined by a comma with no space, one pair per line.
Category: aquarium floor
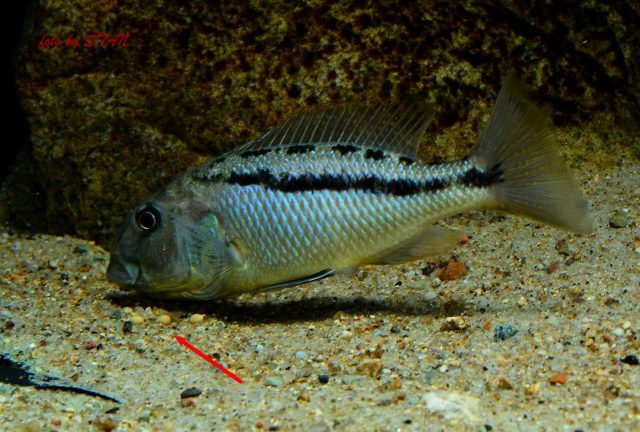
373,351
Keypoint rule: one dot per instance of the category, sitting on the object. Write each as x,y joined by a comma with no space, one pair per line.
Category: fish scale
334,189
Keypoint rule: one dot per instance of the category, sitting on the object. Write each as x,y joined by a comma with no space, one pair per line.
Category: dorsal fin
396,127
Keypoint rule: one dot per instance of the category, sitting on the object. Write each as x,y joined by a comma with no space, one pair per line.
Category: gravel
379,346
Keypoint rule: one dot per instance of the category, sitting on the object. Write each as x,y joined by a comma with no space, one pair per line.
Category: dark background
16,130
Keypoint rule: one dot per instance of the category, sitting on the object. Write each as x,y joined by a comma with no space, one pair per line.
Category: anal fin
432,241
311,278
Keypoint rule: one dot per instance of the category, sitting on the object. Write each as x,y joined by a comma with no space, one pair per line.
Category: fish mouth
123,272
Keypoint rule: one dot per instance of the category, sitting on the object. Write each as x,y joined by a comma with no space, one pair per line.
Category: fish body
332,190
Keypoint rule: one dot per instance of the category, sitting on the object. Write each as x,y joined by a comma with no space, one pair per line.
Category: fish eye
148,218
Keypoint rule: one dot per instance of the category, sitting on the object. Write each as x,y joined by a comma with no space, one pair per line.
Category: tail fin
535,182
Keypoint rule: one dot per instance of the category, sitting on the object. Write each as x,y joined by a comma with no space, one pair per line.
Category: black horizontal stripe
374,154
405,160
334,182
254,153
476,178
344,149
300,149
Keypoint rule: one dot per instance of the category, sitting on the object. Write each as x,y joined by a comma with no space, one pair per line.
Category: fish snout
122,272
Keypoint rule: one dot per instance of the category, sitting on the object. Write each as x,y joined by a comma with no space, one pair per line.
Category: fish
335,189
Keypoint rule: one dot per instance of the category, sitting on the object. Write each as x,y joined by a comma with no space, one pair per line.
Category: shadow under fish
15,373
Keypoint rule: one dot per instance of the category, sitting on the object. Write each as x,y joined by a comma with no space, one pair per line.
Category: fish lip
123,273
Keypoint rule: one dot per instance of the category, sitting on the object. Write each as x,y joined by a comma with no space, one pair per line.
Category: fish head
170,249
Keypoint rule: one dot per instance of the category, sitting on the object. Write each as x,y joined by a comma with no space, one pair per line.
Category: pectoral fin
432,241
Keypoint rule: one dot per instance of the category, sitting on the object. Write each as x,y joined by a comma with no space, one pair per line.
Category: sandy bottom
374,351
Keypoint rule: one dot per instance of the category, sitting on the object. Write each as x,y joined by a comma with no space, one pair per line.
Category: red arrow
183,341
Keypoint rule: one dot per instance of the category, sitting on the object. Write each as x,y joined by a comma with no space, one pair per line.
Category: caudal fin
535,183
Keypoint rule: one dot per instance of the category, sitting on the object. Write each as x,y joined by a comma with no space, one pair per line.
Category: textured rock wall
111,124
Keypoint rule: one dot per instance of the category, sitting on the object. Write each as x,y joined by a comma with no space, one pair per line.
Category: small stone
273,381
558,378
323,378
395,329
127,327
452,270
532,389
8,325
553,267
196,318
137,319
190,392
502,332
563,248
503,383
436,283
620,219
428,269
304,396
452,405
454,323
104,425
371,367
80,249
630,359
350,379
300,355
116,314
188,402
163,319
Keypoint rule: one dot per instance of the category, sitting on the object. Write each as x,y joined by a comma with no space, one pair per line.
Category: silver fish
334,189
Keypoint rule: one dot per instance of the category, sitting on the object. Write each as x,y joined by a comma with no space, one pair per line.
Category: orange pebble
558,378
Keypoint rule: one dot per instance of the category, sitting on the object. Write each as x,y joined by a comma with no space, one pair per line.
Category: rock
323,378
371,367
558,378
455,323
621,219
502,332
190,392
452,271
193,82
564,248
452,405
630,359
273,381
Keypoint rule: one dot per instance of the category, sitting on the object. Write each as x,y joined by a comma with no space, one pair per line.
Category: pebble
137,319
273,381
452,405
127,327
323,378
452,271
558,378
620,219
190,392
116,314
563,248
163,319
304,396
630,359
80,249
371,367
502,332
196,318
454,323
395,329
300,355
350,379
